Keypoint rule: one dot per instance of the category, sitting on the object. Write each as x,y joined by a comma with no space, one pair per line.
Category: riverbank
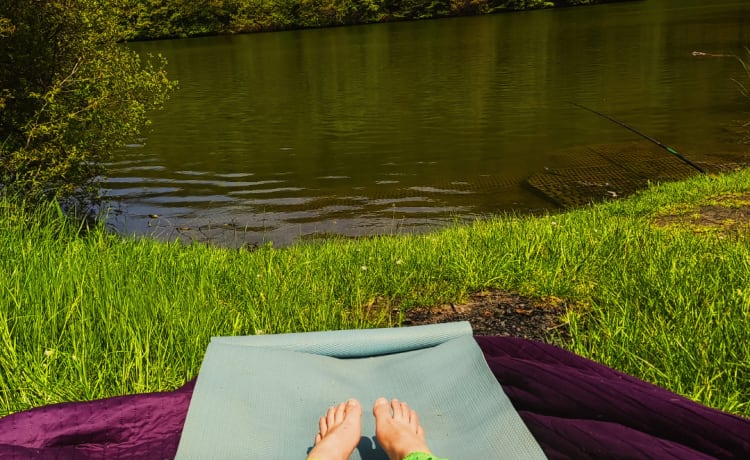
147,20
644,285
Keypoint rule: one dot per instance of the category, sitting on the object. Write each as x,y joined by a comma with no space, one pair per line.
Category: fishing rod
645,136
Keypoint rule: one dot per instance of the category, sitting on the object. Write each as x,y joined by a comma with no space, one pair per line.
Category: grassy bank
94,316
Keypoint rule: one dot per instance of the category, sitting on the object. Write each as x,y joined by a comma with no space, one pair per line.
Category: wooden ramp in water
605,171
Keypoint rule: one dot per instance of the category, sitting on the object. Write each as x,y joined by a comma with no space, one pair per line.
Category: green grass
85,317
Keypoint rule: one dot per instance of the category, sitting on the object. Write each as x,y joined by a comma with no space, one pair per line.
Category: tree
70,94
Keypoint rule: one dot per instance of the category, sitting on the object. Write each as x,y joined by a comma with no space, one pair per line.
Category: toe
413,418
400,408
331,417
353,407
339,413
381,408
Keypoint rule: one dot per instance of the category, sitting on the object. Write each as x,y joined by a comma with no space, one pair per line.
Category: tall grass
94,315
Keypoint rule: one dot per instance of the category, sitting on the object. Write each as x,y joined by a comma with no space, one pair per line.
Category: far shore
222,18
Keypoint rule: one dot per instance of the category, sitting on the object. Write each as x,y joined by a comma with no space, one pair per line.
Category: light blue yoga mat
261,396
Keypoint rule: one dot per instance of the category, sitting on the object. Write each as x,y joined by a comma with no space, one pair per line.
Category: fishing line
643,135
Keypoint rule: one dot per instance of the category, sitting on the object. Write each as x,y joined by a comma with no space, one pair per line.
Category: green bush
69,95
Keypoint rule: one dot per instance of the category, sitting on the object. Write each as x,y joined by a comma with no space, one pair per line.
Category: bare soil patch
725,215
501,313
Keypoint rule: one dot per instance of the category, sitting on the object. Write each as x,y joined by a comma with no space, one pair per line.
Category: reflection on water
408,126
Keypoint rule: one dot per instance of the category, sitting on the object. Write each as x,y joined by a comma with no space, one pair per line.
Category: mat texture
261,401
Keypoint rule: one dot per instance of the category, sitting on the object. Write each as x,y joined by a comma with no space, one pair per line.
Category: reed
90,315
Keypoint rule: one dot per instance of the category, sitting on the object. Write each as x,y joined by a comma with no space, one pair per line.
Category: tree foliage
183,18
70,94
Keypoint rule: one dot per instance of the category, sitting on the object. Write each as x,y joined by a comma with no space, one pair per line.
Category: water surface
400,127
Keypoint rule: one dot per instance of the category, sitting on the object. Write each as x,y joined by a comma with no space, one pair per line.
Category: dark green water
403,127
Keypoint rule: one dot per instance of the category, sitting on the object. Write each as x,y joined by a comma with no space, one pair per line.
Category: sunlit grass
84,317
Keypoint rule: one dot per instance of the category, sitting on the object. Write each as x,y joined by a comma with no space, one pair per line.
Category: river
406,127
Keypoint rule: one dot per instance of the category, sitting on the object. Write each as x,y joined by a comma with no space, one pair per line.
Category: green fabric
265,401
422,456
413,456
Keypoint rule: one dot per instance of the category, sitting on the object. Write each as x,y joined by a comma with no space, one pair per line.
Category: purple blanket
574,407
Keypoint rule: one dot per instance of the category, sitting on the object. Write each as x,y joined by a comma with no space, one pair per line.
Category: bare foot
340,430
397,429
